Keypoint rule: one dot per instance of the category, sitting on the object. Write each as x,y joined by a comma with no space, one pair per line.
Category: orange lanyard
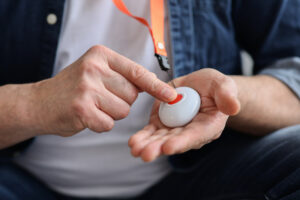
157,30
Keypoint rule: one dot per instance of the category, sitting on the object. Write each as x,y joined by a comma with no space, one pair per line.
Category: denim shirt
203,33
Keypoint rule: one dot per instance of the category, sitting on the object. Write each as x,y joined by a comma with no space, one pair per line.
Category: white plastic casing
182,112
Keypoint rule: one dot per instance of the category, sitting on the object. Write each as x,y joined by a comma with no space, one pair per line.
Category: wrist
16,117
27,109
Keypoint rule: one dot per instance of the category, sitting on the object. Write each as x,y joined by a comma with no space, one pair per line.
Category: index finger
141,77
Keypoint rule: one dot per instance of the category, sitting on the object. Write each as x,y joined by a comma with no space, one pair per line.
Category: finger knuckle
78,108
135,94
90,66
83,87
124,112
226,80
105,72
108,125
137,72
154,86
132,96
87,66
216,84
97,48
131,91
80,115
153,75
210,71
223,81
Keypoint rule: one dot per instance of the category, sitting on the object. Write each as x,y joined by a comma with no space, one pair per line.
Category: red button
178,98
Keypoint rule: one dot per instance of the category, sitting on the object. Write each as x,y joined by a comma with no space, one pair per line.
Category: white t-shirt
90,164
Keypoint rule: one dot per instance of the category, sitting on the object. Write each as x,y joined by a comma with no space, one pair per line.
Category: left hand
218,94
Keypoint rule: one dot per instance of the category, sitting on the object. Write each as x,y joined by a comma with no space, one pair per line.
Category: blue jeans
233,167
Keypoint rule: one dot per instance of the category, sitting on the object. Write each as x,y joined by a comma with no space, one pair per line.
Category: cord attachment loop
163,62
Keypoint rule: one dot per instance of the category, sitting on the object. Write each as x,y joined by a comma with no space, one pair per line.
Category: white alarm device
182,110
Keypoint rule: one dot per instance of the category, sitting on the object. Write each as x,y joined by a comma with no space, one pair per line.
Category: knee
284,145
7,193
289,137
16,183
6,185
286,188
283,150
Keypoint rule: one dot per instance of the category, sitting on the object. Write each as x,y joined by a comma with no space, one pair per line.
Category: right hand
219,100
92,92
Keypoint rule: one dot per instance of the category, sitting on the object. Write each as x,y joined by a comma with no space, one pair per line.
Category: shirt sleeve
268,30
286,70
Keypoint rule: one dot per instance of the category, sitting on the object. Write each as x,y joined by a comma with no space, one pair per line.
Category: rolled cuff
286,70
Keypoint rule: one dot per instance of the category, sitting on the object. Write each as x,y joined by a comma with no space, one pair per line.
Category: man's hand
218,100
92,92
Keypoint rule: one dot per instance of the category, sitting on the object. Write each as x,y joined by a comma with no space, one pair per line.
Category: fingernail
167,93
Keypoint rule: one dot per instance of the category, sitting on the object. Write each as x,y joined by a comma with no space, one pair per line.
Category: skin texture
267,105
100,87
219,100
93,92
253,109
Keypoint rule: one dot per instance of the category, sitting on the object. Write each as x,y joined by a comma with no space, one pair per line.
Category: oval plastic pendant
182,110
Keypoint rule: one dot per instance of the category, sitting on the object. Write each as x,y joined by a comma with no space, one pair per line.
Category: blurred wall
247,63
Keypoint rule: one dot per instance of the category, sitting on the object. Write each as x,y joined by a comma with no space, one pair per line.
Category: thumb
226,96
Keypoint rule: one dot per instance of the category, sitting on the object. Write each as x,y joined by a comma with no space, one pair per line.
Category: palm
155,139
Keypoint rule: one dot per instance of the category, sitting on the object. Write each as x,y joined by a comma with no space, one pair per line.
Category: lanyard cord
157,30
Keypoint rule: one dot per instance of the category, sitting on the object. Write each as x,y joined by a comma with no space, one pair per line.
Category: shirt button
51,19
